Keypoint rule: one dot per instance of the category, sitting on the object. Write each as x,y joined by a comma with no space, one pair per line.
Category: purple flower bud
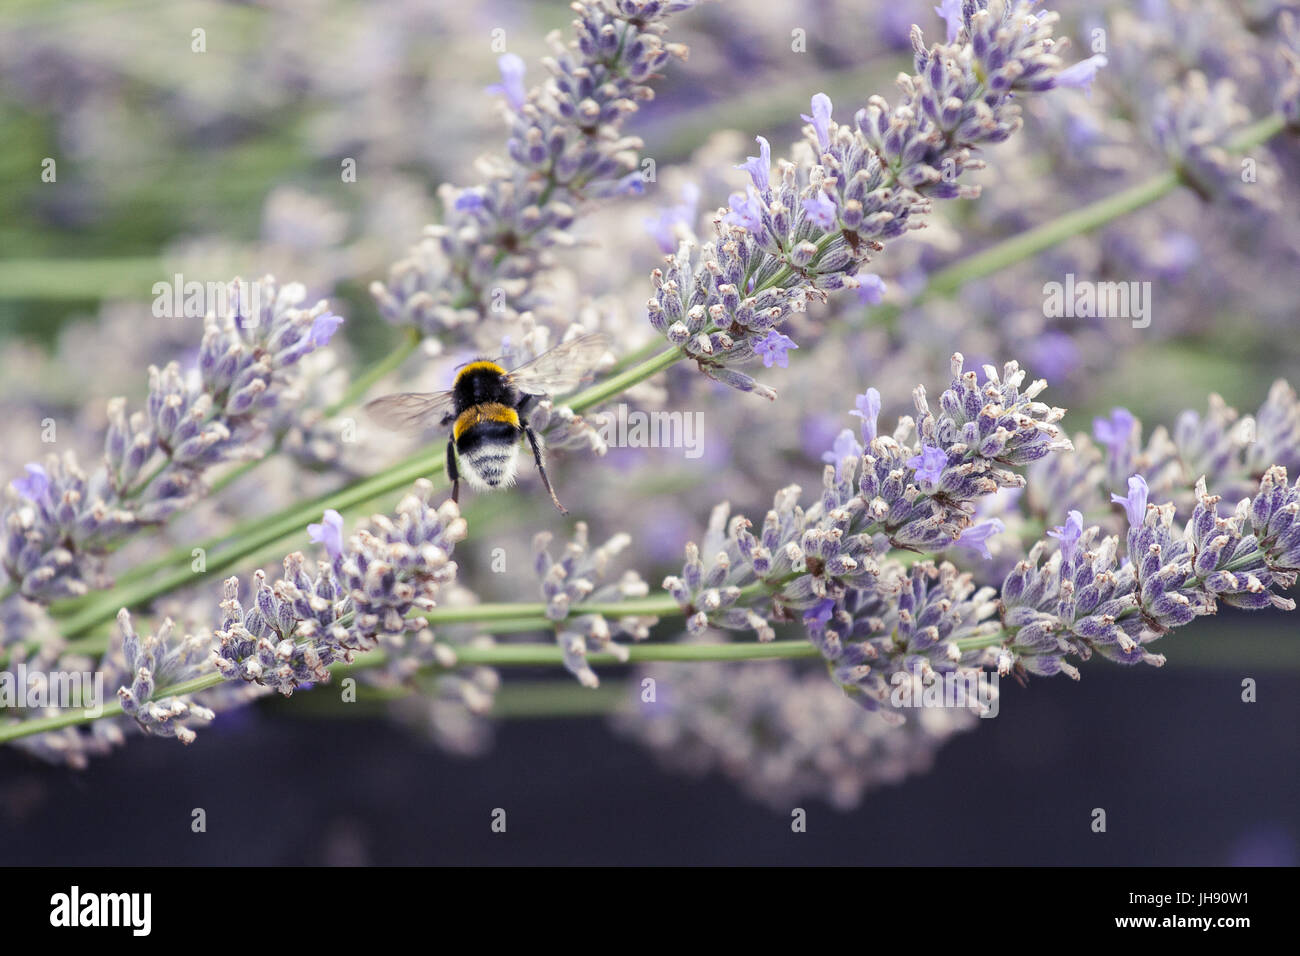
950,11
36,486
323,328
469,200
821,211
820,119
819,614
1069,534
869,411
1135,502
746,211
664,228
760,167
976,537
846,446
1114,432
773,348
871,289
1080,75
630,185
512,81
329,532
929,465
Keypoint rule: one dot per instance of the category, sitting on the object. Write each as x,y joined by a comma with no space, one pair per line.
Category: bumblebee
487,408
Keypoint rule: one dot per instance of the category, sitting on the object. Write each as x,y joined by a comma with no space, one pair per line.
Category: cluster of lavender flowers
370,588
566,147
582,576
808,230
871,617
59,522
1230,451
1192,124
1084,599
916,490
161,660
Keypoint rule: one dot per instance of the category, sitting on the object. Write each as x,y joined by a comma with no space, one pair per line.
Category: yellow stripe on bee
480,366
488,412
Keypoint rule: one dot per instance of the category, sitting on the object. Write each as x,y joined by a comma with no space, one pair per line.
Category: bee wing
563,368
410,411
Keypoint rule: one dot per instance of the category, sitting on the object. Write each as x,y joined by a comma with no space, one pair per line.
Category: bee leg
541,468
452,473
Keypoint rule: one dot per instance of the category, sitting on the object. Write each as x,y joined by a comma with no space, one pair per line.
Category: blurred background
227,162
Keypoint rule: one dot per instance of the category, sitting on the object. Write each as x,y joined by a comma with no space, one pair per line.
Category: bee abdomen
488,452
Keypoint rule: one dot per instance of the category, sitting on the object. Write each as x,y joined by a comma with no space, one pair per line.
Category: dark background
1187,773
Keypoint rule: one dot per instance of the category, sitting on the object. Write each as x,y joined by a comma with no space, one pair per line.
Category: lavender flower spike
566,146
580,576
63,520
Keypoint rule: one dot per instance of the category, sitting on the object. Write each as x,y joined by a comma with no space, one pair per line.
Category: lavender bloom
566,146
929,464
512,81
155,662
773,348
976,537
804,556
871,289
580,577
821,211
760,167
1192,124
869,182
369,593
1081,75
951,13
911,622
846,446
820,119
676,222
868,409
35,487
1115,432
1135,502
1069,534
1088,600
329,532
155,460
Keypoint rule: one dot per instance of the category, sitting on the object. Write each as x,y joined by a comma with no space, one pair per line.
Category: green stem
505,655
91,279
